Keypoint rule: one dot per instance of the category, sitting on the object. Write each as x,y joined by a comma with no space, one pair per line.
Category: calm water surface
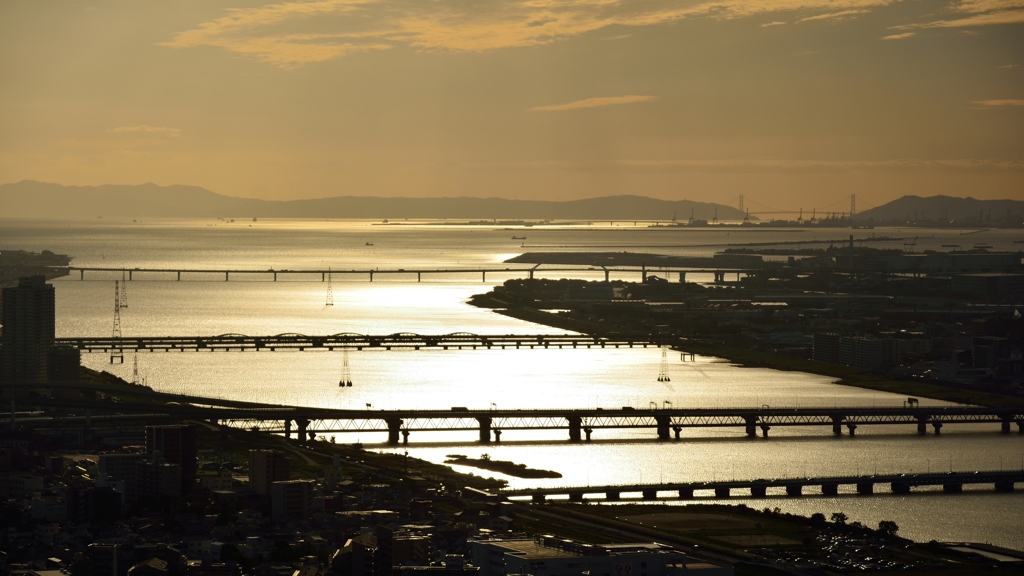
158,305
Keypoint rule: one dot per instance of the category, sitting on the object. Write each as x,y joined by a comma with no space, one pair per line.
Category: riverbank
844,375
503,466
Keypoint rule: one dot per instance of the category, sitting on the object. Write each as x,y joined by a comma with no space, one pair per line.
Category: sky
789,103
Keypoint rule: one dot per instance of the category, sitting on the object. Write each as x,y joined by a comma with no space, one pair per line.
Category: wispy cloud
292,33
972,13
1010,66
770,24
144,129
843,15
992,103
594,103
902,36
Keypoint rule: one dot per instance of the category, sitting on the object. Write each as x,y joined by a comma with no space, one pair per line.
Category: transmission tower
124,290
346,372
853,205
115,349
663,370
330,292
135,368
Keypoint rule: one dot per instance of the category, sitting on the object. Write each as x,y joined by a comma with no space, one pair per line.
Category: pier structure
950,482
178,274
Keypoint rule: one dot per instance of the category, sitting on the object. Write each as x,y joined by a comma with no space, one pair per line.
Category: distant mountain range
945,210
30,199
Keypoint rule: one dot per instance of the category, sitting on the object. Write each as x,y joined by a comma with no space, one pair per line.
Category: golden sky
788,102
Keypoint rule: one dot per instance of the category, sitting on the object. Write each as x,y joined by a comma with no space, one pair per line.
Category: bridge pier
1004,486
302,425
900,488
686,493
394,429
865,488
483,276
722,492
485,429
758,491
531,274
938,427
538,498
575,496
1020,427
650,494
179,275
226,273
419,276
852,427
922,425
837,425
678,430
751,427
287,429
129,274
81,274
830,489
497,436
612,495
371,275
575,425
606,277
275,276
682,277
405,437
953,487
764,430
664,422
588,431
795,490
312,435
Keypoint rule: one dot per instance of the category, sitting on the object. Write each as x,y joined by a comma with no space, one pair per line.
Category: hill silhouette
945,210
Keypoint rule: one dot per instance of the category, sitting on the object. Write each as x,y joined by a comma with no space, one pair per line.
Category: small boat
369,244
519,237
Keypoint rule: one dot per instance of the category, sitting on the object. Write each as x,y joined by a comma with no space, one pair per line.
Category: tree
839,518
888,527
817,518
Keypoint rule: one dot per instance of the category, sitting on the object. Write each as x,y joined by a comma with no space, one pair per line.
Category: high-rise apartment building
177,444
28,330
267,467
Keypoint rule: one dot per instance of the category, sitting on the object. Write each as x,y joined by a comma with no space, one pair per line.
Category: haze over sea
254,305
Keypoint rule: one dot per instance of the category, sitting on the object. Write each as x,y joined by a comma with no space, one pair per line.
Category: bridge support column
682,277
852,428
497,436
394,429
1004,486
275,276
226,275
419,276
575,496
953,487
312,435
538,498
938,427
1005,425
405,437
323,276
129,274
722,492
287,429
795,490
531,274
865,488
179,275
650,494
302,425
837,425
81,274
922,425
764,430
371,275
643,273
1020,427
485,429
751,422
664,422
678,430
686,493
575,425
588,431
483,276
606,277
613,495
830,489
758,491
900,488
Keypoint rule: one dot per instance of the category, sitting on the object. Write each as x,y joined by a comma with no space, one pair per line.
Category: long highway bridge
369,273
353,341
953,482
487,425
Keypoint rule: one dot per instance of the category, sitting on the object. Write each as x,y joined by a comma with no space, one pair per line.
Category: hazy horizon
787,102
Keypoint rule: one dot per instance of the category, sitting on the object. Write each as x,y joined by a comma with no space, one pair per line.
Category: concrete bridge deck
352,341
952,482
271,274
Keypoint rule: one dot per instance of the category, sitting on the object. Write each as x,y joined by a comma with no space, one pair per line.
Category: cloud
992,103
770,24
902,36
147,130
845,14
291,33
1010,66
594,103
977,13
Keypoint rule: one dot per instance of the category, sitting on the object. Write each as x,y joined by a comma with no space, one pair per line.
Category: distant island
502,466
